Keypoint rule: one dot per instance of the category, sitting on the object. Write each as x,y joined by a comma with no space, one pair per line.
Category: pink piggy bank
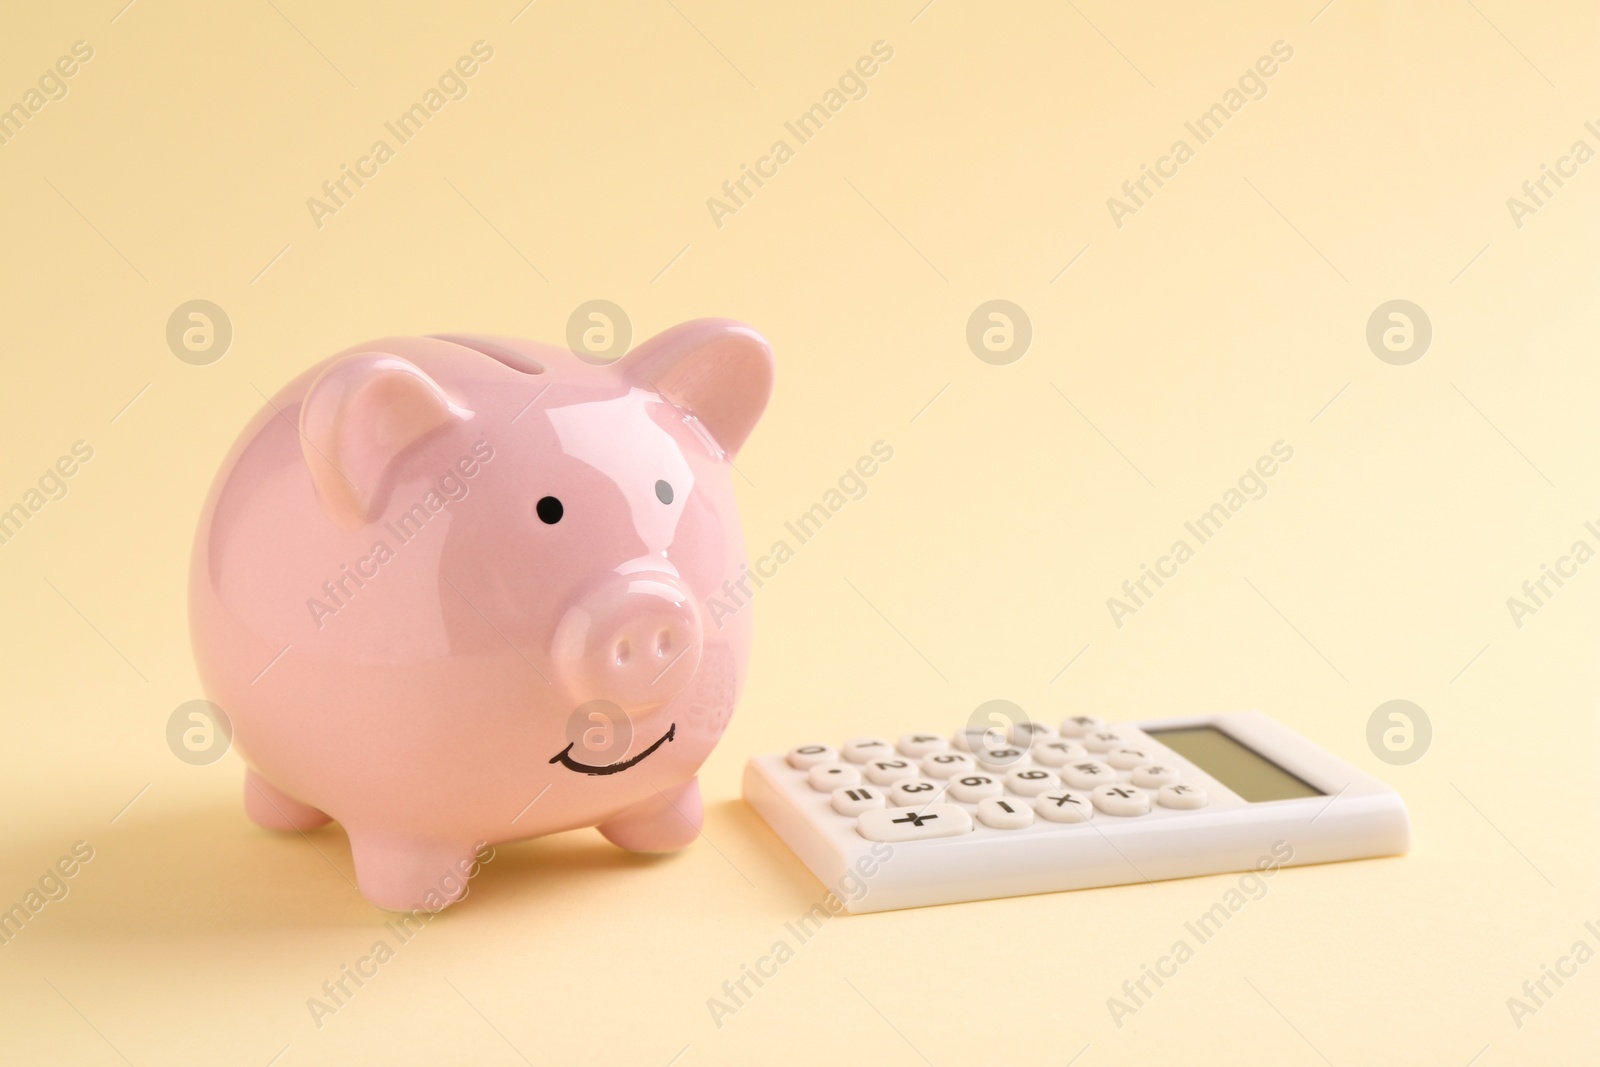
449,590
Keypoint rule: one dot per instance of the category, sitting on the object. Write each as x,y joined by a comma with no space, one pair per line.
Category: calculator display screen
1241,769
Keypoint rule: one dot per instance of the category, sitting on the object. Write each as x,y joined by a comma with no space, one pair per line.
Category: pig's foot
268,806
665,822
409,875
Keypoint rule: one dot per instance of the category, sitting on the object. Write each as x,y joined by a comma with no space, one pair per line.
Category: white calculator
933,818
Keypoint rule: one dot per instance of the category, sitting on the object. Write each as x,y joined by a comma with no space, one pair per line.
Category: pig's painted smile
611,768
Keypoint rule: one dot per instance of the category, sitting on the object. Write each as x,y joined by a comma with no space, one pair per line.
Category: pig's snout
633,639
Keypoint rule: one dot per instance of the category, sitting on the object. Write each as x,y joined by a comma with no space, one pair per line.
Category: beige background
1227,314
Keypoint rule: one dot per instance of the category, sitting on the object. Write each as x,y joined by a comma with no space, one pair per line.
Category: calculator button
948,764
804,757
1183,797
1007,758
906,824
1086,774
918,745
1031,782
890,771
1055,753
1103,741
1005,813
972,738
972,788
1126,759
1023,734
1155,775
1121,800
1078,725
826,777
862,749
856,799
1063,805
914,792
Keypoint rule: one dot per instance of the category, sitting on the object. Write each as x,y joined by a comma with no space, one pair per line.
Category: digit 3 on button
914,792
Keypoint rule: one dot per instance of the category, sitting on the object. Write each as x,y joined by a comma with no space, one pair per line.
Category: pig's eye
664,492
549,509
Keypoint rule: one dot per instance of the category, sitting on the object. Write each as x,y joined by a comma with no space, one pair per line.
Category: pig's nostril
622,653
664,644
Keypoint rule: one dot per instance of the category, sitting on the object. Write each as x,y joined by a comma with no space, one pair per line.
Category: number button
1086,774
1078,725
826,777
1104,741
890,771
1126,759
1056,753
919,745
914,792
857,799
1005,813
1008,758
1121,800
1182,797
1154,775
804,757
947,764
973,788
902,824
862,749
1061,805
1024,734
973,738
1031,782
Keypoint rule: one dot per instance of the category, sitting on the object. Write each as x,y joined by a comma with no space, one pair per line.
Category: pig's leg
404,874
270,807
667,821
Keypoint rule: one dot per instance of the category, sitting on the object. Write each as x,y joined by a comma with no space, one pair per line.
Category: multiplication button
1183,797
857,799
1122,800
1005,813
804,757
826,777
908,824
1063,805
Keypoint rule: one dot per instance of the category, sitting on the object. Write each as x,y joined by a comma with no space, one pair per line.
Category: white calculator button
1063,805
973,788
1126,759
804,757
857,799
1005,813
826,777
972,738
1121,800
1103,741
1031,781
1155,775
1182,796
1086,774
1055,753
1023,734
914,792
862,749
917,745
889,771
1006,758
909,824
947,764
1078,725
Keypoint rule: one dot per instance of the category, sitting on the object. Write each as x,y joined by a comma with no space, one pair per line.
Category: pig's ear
357,417
719,370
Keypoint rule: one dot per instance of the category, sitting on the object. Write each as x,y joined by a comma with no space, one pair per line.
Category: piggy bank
454,591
